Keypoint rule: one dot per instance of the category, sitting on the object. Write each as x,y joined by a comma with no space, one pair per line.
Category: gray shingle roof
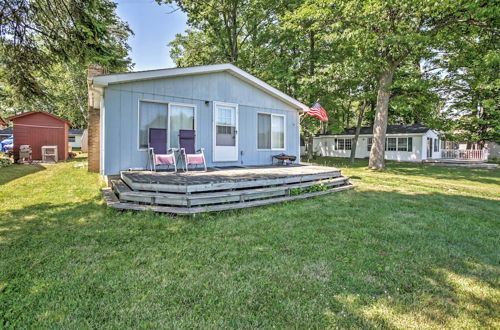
6,131
75,131
391,129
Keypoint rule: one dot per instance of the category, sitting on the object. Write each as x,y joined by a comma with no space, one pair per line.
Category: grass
412,247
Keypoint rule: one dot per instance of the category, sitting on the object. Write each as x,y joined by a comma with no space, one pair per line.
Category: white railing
464,154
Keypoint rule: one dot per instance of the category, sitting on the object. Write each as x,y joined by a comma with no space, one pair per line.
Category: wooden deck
221,189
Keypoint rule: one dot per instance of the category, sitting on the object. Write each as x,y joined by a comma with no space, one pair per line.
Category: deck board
228,175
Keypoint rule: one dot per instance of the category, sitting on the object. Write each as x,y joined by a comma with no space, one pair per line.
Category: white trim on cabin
284,131
105,80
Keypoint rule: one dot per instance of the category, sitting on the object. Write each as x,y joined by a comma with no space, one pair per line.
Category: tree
42,42
471,84
390,33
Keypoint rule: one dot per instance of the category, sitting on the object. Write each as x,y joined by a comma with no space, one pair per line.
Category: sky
154,27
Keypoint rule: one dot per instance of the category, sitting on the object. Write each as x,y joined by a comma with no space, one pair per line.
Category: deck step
125,194
224,185
114,202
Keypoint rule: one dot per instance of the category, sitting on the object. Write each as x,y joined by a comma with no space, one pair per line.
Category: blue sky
154,28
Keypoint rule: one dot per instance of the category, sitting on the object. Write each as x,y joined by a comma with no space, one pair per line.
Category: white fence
464,154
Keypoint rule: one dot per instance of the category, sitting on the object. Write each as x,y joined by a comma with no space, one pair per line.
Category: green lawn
411,247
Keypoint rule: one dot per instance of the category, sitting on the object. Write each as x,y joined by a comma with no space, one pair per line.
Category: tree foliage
45,46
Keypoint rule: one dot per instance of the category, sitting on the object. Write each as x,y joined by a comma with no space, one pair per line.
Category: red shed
40,128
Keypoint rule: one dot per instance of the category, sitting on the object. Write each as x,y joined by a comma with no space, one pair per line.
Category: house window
156,115
151,115
270,131
402,144
181,117
436,145
391,144
343,144
369,144
71,139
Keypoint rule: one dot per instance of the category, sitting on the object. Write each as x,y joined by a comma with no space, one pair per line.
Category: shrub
4,162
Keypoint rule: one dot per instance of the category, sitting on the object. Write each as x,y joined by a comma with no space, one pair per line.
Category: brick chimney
94,119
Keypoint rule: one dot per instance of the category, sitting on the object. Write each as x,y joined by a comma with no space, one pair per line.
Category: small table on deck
282,158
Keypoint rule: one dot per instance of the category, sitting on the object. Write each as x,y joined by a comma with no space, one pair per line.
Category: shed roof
105,80
76,131
6,131
40,112
391,129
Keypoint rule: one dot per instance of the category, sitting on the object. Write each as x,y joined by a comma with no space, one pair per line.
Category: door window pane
151,115
225,132
181,117
263,131
278,132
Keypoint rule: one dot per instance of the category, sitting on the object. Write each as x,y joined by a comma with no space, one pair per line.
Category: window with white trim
270,131
343,144
71,138
151,115
181,117
403,144
369,144
436,145
390,144
156,115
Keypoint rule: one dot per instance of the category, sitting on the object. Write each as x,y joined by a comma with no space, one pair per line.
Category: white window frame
405,144
194,121
169,104
335,143
257,131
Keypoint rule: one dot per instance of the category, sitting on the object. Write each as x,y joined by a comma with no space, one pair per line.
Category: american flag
318,111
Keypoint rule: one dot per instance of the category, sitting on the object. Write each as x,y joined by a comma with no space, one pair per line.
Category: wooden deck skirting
197,192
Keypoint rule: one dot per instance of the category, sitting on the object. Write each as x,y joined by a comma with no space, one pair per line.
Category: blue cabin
239,119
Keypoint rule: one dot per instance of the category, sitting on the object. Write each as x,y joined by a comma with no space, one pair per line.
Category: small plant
4,162
310,189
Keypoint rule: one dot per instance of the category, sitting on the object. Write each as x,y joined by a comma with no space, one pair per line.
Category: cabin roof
6,131
105,80
75,131
40,112
391,129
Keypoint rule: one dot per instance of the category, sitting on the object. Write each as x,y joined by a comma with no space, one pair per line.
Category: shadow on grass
382,260
487,176
17,171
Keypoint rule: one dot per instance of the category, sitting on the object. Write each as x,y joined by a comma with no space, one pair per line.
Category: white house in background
75,138
408,143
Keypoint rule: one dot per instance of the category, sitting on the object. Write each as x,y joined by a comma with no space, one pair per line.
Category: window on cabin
402,144
71,139
156,115
343,144
369,144
151,115
391,144
270,131
181,117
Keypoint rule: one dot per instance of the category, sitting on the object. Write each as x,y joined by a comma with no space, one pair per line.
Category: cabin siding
121,103
324,146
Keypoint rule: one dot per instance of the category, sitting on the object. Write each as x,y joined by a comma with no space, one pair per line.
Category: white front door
225,132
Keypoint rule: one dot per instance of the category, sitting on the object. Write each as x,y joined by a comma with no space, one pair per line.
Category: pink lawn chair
187,148
157,148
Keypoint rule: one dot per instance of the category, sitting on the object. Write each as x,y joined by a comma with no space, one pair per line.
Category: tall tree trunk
358,129
377,153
